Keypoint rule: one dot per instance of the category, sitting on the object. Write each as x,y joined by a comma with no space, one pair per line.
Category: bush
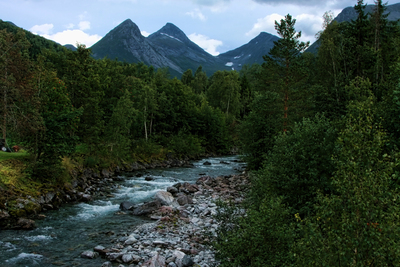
298,165
358,226
186,144
257,237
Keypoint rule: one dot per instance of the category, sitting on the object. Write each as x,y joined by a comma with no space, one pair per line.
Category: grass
17,155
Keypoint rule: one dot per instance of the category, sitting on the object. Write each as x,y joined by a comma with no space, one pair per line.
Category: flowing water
65,233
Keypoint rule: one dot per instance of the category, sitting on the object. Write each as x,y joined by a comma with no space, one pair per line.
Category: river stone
88,254
4,215
126,205
166,199
186,261
131,258
172,190
172,264
100,249
49,197
106,264
131,240
147,208
207,163
26,224
156,261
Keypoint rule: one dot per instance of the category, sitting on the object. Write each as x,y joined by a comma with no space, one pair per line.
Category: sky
215,25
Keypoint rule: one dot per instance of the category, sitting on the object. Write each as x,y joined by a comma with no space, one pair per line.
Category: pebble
176,239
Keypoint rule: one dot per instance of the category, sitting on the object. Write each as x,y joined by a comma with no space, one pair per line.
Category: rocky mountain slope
349,13
125,42
249,53
170,47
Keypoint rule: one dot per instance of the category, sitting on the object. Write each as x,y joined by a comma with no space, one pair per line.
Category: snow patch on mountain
171,37
229,64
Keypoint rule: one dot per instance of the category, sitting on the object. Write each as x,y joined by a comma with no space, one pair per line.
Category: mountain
249,53
125,42
70,47
170,47
171,42
349,13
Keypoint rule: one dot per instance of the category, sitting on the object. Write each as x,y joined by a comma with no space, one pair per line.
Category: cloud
42,29
330,3
70,26
144,33
266,24
210,2
196,14
69,36
73,37
308,24
84,25
209,45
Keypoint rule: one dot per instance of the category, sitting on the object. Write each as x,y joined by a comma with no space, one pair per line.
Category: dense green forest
320,133
322,138
57,104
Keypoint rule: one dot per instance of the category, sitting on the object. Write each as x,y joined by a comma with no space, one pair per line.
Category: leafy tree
200,81
357,226
118,129
266,233
258,130
15,77
187,77
55,138
224,92
298,166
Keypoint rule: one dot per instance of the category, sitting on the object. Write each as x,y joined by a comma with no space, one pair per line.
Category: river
64,234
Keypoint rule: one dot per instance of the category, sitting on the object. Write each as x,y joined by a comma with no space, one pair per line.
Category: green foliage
298,166
186,144
118,129
258,130
224,92
358,226
263,237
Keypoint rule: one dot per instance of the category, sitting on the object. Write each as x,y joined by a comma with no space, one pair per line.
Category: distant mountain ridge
251,52
170,47
349,13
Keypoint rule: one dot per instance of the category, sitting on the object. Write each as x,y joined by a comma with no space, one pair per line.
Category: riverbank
21,210
183,229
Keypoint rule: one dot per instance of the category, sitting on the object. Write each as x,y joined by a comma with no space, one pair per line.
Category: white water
66,233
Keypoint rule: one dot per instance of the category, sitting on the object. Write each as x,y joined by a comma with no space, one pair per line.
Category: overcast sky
215,25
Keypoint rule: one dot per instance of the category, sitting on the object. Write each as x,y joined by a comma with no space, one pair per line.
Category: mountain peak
172,31
129,28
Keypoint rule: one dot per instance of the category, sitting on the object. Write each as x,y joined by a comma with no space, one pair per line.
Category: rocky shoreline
183,227
87,184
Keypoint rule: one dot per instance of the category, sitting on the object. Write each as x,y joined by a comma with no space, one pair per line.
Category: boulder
184,199
191,188
147,208
172,190
207,163
4,215
88,254
131,258
105,173
126,205
166,198
26,224
156,261
148,178
106,264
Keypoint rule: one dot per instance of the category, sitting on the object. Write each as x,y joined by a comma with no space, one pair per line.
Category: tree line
59,103
321,137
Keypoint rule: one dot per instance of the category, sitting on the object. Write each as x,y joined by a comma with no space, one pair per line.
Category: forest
319,132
